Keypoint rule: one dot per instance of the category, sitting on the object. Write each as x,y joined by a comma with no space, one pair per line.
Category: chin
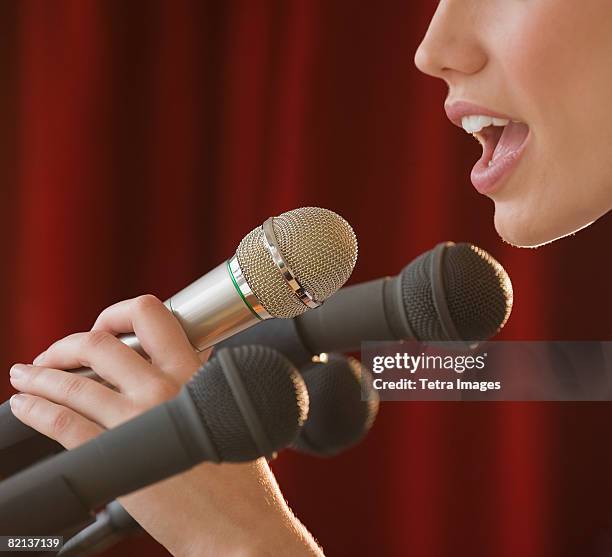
530,232
534,231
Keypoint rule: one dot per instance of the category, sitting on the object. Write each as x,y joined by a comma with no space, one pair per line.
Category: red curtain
139,141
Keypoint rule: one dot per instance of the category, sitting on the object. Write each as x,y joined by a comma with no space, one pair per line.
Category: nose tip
426,62
450,46
443,61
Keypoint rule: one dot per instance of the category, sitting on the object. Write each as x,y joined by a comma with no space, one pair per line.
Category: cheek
538,64
556,57
557,67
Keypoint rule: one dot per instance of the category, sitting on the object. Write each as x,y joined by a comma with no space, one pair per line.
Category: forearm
234,510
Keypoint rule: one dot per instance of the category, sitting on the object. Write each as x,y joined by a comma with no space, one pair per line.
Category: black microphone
452,292
245,403
112,525
338,419
343,406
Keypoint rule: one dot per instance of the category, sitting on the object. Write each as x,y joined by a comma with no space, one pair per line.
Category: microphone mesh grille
478,294
338,418
319,246
277,393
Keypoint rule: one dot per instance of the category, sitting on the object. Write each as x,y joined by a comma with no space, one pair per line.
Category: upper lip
456,110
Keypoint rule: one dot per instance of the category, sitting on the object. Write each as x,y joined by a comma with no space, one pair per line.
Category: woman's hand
212,509
72,409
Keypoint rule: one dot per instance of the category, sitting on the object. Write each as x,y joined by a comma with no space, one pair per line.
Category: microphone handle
59,494
112,525
371,310
210,309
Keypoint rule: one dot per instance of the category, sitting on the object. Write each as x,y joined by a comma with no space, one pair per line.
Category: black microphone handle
60,493
20,445
112,525
371,310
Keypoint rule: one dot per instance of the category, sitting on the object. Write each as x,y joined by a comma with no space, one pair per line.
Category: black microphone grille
456,292
338,417
274,389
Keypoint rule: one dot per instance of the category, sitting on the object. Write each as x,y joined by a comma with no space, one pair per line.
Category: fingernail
38,360
16,401
18,371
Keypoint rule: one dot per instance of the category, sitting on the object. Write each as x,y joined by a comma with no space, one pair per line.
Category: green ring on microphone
240,291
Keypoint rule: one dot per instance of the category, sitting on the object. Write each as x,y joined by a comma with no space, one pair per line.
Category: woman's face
543,69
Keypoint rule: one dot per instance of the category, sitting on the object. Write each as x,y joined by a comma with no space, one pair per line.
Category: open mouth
502,141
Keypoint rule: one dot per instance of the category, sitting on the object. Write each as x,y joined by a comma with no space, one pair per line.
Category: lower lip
487,179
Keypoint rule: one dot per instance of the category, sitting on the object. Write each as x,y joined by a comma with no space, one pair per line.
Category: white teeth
476,122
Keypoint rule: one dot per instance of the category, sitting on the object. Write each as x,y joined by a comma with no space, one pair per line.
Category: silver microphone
290,264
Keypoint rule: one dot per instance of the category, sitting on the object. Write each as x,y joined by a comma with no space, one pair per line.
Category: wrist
233,510
280,538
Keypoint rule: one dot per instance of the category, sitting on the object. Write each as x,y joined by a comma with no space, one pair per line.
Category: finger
85,396
159,332
53,420
204,355
110,358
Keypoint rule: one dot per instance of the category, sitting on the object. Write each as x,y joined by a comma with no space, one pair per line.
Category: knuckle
146,303
96,339
72,386
131,409
182,365
61,422
28,407
161,390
